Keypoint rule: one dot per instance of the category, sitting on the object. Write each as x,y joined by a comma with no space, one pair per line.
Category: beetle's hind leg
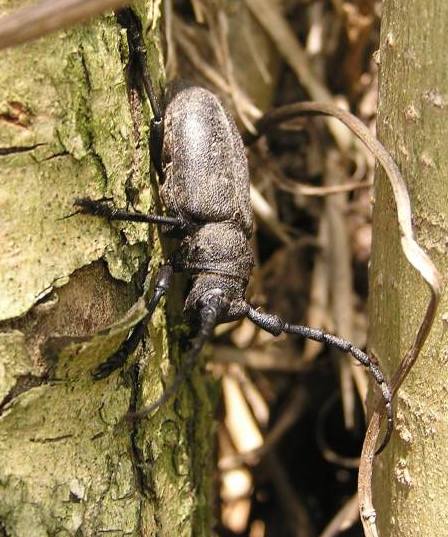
137,53
118,359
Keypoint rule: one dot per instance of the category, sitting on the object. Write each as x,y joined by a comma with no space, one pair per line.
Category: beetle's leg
102,208
119,358
156,134
155,146
163,280
275,325
137,52
209,316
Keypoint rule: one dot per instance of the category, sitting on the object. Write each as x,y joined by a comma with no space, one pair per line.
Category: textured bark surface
411,483
72,125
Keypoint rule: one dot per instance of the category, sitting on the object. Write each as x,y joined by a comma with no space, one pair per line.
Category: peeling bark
410,492
73,124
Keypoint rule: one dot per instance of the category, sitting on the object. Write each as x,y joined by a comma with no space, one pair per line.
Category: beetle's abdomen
206,171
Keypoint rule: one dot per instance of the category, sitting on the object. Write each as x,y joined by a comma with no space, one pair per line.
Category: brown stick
48,16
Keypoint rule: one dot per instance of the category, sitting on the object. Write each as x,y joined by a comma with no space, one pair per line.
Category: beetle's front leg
118,359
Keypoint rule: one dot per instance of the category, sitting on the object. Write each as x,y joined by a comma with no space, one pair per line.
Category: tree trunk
73,124
410,491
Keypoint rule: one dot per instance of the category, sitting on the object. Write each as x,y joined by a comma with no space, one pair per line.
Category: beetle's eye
205,298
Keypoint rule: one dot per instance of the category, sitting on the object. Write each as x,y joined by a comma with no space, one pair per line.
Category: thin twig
344,519
228,68
341,291
318,298
277,27
171,66
264,211
329,454
291,413
207,71
320,191
273,360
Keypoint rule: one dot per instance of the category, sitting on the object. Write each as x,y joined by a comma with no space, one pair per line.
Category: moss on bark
73,126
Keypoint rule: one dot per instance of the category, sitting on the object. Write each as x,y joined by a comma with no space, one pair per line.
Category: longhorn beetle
200,159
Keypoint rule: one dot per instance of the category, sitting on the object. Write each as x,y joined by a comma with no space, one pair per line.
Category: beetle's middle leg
163,280
104,209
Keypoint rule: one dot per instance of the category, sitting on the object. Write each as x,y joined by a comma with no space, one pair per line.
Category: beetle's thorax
215,247
219,256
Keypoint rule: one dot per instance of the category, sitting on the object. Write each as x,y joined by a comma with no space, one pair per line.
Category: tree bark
411,484
73,124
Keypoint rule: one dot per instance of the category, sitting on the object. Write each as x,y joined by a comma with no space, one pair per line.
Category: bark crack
57,155
5,151
50,440
137,459
144,483
88,132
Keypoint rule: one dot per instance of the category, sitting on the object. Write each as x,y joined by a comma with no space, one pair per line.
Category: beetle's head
231,289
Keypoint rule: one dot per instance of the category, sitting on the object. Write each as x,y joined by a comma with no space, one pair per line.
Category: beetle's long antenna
209,315
275,325
163,280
